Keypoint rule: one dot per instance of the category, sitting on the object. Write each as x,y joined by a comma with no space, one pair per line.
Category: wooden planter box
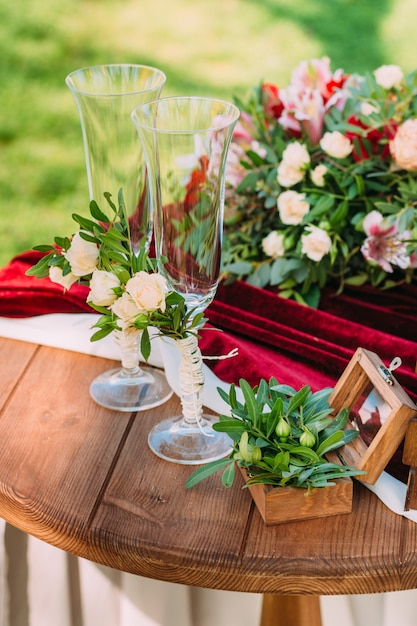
288,504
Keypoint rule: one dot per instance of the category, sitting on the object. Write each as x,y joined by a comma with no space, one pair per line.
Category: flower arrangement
281,437
124,285
322,182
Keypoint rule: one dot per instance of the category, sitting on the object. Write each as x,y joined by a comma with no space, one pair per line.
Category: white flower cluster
143,293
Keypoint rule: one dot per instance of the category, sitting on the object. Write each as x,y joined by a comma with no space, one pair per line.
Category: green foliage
281,437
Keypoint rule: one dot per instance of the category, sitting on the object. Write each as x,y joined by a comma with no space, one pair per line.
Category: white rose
148,291
102,285
56,276
296,155
336,144
368,109
295,160
388,76
318,174
126,309
273,245
288,176
292,207
82,256
316,243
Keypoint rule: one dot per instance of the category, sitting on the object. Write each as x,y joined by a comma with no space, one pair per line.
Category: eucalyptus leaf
204,471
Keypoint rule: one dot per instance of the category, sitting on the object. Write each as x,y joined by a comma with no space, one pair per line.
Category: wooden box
367,377
286,504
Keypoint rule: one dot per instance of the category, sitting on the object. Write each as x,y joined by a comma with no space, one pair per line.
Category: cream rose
148,291
292,207
404,145
288,176
295,160
336,144
102,286
388,76
273,245
315,243
126,310
56,276
296,155
318,174
82,255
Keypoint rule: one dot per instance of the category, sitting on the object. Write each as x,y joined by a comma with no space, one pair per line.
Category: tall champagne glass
105,96
186,141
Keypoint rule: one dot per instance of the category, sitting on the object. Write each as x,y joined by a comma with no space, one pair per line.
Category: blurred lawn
216,47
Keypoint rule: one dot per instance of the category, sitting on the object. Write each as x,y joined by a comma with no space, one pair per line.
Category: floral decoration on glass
131,297
322,183
281,437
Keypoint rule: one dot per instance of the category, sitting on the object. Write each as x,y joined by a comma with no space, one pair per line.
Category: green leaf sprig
111,234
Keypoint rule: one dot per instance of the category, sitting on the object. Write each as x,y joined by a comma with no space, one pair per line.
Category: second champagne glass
186,141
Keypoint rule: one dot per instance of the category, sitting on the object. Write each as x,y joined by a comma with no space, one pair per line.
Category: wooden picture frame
367,377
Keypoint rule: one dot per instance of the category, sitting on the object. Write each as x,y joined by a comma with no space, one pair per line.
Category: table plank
169,527
15,357
353,553
57,447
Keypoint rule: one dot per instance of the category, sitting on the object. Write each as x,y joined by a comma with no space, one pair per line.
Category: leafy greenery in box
281,437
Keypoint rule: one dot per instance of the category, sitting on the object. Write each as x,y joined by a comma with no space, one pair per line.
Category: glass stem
128,343
191,379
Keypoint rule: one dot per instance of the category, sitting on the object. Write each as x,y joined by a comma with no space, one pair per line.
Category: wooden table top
82,478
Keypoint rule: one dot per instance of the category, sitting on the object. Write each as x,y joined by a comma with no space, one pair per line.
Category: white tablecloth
44,586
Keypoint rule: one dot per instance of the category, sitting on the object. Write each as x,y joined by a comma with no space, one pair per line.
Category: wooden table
82,478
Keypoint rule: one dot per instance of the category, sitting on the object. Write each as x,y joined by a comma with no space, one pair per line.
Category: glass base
115,389
179,441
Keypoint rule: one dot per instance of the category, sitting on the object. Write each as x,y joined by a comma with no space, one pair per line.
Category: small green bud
307,438
256,454
248,452
244,446
283,429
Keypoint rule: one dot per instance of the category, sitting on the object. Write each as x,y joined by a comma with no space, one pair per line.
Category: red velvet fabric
275,337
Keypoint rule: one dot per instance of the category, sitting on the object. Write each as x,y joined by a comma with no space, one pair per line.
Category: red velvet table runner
275,337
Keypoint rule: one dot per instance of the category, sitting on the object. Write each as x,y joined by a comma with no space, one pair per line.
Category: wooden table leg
294,610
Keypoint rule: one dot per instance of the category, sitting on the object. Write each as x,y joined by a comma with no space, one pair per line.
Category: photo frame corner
377,402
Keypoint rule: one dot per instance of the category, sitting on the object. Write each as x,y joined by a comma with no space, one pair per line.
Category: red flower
197,180
371,142
333,86
270,99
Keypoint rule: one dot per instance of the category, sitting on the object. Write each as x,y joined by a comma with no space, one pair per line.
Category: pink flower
244,131
235,172
303,109
316,74
384,244
312,91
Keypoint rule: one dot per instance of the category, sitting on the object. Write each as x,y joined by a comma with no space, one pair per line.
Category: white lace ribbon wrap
128,343
191,378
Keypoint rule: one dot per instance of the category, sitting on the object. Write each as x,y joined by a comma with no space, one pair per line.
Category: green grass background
205,47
